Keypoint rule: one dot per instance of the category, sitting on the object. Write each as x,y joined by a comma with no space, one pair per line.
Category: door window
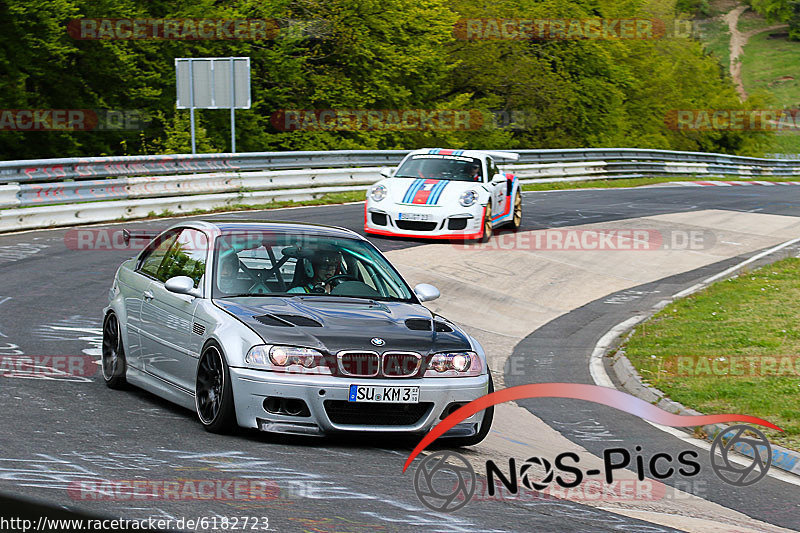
493,170
153,256
186,257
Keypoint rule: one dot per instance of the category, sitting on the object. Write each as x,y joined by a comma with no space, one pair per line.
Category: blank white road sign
212,82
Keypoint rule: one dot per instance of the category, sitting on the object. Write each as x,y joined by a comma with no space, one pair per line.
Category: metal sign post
191,105
233,117
213,83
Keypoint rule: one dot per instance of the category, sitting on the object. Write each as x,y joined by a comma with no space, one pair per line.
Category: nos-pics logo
445,481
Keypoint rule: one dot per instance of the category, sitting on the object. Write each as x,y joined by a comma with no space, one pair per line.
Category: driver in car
229,270
474,172
323,265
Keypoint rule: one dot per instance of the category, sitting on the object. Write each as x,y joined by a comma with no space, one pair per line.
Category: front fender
478,349
235,337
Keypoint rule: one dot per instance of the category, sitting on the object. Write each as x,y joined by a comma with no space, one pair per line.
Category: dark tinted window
186,257
441,167
155,253
493,170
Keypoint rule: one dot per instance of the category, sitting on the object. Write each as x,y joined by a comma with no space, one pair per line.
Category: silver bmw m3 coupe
290,328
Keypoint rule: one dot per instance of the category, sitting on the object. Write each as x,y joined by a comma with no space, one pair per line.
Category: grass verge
771,64
717,40
327,199
692,348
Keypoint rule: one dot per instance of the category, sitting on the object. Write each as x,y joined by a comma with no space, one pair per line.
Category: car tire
112,362
483,430
214,401
516,219
486,232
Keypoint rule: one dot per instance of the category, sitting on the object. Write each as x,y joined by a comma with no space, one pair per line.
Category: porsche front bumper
421,221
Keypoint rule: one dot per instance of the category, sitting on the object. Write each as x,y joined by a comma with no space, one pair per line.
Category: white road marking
4,300
601,377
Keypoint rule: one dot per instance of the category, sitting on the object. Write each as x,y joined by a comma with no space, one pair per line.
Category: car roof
478,154
278,226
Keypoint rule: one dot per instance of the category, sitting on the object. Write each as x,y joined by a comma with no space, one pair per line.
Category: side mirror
426,292
498,179
386,172
182,285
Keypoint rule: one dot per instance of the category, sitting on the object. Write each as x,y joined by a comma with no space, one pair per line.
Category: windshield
265,263
441,167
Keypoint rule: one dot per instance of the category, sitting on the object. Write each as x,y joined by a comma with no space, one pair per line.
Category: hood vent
442,327
299,320
269,320
418,324
288,321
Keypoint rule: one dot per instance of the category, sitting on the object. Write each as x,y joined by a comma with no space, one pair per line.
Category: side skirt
160,387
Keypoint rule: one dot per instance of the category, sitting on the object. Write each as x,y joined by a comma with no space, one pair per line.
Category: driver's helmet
228,271
474,171
326,261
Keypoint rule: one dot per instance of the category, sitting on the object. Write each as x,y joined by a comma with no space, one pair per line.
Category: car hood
333,324
427,192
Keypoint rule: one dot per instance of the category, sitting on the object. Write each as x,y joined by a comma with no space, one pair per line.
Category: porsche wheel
113,354
516,222
486,234
483,430
213,392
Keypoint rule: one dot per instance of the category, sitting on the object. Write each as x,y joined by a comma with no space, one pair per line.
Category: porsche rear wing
511,156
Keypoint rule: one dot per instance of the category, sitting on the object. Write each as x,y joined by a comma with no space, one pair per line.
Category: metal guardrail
56,192
43,170
49,170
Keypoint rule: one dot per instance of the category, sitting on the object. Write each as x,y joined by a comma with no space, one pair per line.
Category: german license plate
422,217
365,393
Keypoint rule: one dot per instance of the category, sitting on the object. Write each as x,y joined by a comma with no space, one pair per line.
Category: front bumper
251,388
383,218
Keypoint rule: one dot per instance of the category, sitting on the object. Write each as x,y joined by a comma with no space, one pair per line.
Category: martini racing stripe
442,151
412,190
424,193
437,192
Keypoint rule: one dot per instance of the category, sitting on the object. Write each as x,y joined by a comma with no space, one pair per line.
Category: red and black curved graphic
578,391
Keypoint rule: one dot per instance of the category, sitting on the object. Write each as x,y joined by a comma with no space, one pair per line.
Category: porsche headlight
293,359
468,198
454,364
377,193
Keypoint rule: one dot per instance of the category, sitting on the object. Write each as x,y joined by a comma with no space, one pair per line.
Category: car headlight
454,364
468,198
377,193
293,359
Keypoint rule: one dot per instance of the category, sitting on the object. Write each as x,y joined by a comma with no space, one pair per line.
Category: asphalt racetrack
538,313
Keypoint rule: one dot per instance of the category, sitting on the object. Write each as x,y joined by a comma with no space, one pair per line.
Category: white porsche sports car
445,194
